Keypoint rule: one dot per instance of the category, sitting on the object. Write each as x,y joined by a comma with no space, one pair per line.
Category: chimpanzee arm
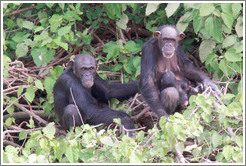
148,86
103,90
194,74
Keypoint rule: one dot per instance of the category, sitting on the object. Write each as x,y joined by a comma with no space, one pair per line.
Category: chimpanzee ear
157,34
97,60
181,36
71,62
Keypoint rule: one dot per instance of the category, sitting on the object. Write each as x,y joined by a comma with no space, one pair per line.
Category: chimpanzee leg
71,116
170,99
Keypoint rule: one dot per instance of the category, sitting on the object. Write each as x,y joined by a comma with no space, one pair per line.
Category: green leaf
136,61
226,8
20,37
223,65
30,93
196,21
107,140
60,43
151,7
55,21
236,8
206,48
239,141
8,121
122,23
227,152
216,140
64,30
21,50
22,135
72,154
135,157
11,23
214,28
228,20
39,84
39,55
171,8
30,79
232,56
49,84
239,27
206,9
229,41
28,25
50,130
49,4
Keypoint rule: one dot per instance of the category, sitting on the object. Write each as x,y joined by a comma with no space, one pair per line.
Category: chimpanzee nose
169,45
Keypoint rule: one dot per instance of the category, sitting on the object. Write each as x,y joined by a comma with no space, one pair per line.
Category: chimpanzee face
84,67
168,39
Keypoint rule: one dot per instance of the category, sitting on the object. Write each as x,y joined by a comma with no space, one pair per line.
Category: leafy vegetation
39,38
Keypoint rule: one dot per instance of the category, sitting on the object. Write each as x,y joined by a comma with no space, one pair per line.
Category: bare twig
76,106
20,11
29,112
136,117
180,156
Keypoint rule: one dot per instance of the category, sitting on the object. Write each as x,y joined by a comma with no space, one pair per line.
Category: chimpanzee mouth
168,55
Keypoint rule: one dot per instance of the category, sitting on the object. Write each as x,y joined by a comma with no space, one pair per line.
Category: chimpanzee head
168,39
84,68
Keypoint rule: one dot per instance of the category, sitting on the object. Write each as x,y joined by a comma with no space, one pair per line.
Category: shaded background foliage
39,38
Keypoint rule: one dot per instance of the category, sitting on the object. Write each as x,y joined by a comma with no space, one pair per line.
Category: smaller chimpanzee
79,89
179,90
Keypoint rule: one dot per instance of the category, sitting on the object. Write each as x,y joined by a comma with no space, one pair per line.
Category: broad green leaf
39,55
11,23
30,79
239,27
50,130
55,21
122,23
8,121
107,140
60,43
171,8
20,37
28,25
236,8
206,48
49,84
196,21
22,135
72,154
206,9
229,41
228,19
239,141
232,56
181,26
39,84
11,110
214,28
151,7
216,139
64,30
136,61
227,152
50,5
30,93
62,5
21,50
226,7
223,65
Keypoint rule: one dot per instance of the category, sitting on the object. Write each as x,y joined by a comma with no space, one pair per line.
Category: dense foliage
39,38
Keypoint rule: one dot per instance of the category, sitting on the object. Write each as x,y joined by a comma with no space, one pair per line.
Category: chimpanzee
180,91
79,94
162,54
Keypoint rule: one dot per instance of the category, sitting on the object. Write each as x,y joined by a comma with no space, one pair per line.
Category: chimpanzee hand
206,83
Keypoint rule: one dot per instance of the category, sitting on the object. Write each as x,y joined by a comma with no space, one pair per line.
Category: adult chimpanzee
162,54
79,89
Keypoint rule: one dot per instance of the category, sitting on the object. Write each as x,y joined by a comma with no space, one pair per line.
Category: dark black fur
87,99
150,82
